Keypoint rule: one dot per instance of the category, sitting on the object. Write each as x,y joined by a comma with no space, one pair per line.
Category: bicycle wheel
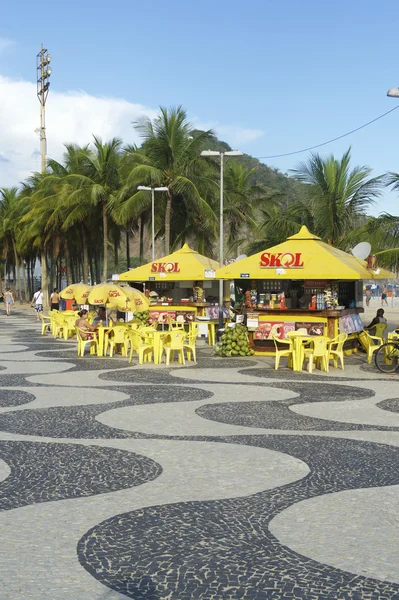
387,357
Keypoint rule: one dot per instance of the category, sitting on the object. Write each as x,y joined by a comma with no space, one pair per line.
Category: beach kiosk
181,285
302,284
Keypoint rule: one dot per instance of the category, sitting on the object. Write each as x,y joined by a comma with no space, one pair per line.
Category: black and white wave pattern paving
107,498
277,414
14,397
390,404
48,472
80,421
222,549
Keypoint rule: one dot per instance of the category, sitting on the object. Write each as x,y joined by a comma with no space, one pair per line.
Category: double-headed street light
393,92
152,190
221,257
43,72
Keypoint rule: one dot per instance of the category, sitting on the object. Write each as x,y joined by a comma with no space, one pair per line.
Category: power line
333,139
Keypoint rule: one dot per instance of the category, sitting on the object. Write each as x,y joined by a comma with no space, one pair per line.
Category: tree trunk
68,265
16,258
29,294
116,258
26,289
105,239
141,240
85,256
44,279
127,249
168,216
53,273
97,265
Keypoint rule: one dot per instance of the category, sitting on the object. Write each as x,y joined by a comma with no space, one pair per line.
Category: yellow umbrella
76,291
139,300
107,293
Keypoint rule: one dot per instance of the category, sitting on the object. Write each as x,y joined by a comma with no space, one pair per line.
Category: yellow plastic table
299,340
101,330
156,337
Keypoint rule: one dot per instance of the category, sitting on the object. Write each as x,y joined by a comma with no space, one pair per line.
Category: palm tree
242,196
336,196
170,157
9,225
92,188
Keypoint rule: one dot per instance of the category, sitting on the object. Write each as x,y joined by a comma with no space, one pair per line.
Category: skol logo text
288,260
168,267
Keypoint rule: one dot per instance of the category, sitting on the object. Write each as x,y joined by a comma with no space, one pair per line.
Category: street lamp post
221,255
393,93
152,190
43,71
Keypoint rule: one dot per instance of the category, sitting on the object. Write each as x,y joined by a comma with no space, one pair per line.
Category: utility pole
43,72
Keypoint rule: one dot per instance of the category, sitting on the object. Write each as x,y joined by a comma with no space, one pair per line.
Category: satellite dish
241,257
362,250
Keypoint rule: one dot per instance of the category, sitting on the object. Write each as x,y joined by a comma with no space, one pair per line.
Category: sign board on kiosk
289,260
165,267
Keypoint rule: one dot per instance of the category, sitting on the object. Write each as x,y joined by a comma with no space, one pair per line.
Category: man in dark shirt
379,318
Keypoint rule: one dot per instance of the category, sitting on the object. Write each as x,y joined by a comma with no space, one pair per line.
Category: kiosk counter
302,284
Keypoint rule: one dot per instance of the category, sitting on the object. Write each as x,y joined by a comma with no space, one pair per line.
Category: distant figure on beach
368,296
8,300
384,295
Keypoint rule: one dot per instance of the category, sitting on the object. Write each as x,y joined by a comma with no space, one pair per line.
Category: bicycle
387,357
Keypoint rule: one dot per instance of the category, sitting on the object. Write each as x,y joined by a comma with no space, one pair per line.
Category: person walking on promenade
55,300
8,300
37,301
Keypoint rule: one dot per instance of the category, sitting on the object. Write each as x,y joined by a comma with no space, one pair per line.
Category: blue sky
270,77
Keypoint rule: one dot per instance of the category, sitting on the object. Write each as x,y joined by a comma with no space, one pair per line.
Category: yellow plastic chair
189,343
336,349
174,342
175,324
283,348
138,344
380,329
317,351
69,326
370,343
117,335
59,325
46,323
82,342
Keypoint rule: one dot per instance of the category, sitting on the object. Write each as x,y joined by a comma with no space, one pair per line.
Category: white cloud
236,136
232,134
70,118
5,43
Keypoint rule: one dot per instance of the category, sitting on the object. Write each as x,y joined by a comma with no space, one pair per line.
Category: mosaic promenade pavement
223,480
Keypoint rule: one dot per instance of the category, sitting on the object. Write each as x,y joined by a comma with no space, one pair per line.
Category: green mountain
272,179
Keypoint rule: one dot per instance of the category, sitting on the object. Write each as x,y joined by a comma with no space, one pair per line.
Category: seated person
305,300
101,318
379,318
84,326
